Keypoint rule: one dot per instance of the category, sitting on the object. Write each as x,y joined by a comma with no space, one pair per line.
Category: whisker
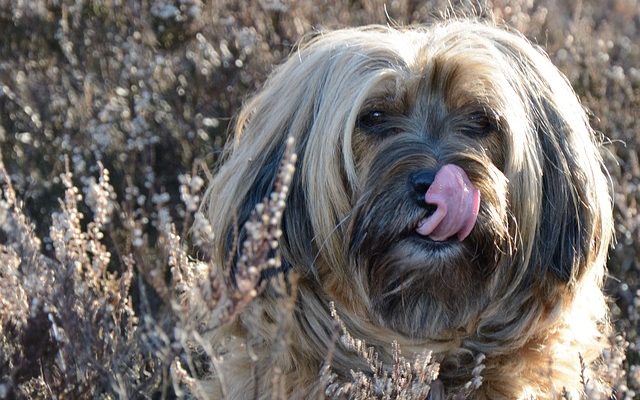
324,243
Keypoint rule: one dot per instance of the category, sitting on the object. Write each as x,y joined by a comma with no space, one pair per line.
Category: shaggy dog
448,195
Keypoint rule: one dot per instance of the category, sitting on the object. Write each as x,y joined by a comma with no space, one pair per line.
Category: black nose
419,182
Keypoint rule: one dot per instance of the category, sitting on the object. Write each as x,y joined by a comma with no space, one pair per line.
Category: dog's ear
573,192
294,102
297,232
250,164
257,191
565,190
314,97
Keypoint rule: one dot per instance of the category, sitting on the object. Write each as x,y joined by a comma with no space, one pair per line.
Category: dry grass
111,112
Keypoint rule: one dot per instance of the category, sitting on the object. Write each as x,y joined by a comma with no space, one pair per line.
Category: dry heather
111,114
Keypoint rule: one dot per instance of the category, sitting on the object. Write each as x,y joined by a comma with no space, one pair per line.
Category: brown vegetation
111,113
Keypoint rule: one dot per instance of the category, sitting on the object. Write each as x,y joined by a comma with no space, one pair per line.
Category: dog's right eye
371,119
375,122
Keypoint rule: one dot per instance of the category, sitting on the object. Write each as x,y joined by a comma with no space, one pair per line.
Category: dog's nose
420,182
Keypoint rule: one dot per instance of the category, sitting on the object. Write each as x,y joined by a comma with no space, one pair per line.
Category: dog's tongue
457,202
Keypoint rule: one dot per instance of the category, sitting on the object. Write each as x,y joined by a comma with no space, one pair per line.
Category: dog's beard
418,286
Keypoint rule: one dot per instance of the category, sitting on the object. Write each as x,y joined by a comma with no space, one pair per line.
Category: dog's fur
524,288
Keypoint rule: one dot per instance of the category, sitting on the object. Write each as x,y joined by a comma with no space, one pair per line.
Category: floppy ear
250,163
574,194
297,232
313,97
247,177
285,107
573,209
257,191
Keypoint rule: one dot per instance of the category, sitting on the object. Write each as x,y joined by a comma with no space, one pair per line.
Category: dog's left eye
478,124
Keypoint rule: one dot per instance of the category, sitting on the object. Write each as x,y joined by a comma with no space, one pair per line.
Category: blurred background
147,89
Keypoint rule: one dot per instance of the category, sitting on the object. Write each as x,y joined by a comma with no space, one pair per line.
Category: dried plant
476,379
404,379
104,294
77,332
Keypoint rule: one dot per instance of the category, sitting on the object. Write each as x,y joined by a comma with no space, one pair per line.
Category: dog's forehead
429,79
454,68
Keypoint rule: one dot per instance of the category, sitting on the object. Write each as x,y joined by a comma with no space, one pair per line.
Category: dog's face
429,223
443,173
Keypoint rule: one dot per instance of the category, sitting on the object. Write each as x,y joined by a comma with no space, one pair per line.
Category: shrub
112,114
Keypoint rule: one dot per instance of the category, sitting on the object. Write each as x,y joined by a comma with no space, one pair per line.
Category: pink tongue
457,201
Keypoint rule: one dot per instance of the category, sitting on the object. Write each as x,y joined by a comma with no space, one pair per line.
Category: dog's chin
425,288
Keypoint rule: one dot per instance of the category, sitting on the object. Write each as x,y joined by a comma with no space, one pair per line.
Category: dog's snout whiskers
325,241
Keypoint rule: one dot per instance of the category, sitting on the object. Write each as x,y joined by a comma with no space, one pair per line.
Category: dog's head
440,171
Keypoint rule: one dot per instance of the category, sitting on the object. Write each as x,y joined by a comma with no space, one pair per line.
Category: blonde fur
541,179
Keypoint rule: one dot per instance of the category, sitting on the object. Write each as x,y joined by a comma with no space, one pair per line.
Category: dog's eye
376,123
371,119
478,124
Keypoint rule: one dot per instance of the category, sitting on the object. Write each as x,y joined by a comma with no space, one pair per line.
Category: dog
448,195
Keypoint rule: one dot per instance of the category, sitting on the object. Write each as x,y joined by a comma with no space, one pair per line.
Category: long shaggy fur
524,288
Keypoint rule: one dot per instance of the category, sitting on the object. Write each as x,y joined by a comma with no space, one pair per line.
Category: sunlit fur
524,288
